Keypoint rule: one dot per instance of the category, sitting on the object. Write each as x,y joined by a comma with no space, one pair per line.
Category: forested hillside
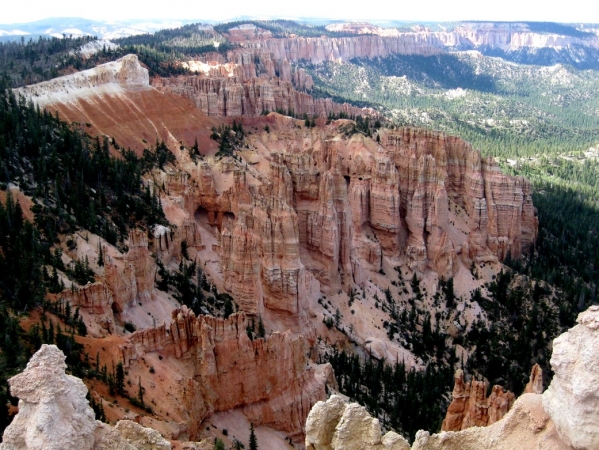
506,110
76,186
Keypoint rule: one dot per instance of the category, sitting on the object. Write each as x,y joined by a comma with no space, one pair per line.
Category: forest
505,110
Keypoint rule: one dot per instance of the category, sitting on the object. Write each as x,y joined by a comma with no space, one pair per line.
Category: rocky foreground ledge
55,415
565,417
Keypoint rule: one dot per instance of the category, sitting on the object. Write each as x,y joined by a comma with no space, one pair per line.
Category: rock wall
330,206
95,302
232,96
55,415
380,42
132,278
470,406
317,50
271,378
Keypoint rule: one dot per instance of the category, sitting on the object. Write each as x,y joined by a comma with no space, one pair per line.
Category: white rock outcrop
572,398
110,78
55,415
337,425
525,427
53,412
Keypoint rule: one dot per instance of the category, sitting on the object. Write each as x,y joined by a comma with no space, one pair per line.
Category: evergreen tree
119,379
261,330
253,441
140,394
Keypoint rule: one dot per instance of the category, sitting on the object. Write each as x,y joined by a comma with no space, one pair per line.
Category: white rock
111,78
337,425
142,438
53,411
572,399
55,415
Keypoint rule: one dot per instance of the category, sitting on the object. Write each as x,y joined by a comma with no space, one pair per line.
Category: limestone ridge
55,415
109,78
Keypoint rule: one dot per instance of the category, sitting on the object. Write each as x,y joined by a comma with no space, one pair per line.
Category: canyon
295,218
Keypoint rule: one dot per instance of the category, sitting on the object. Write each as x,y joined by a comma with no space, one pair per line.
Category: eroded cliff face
308,205
234,96
470,406
95,302
131,278
317,50
272,379
373,42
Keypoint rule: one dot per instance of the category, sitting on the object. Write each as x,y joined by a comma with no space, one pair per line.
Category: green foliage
505,109
229,138
157,157
119,379
253,442
73,177
97,406
21,259
406,401
40,59
81,272
261,329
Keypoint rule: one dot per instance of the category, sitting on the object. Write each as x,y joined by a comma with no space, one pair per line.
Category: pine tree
119,379
100,255
253,441
140,394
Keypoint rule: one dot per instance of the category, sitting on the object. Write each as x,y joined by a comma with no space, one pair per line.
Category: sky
574,11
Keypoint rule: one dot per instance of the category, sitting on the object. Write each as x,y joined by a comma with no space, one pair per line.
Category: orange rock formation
470,406
95,302
326,206
270,378
132,279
